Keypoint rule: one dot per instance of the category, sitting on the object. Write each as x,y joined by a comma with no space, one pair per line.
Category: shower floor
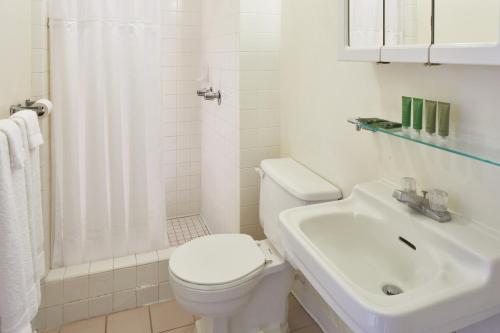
183,229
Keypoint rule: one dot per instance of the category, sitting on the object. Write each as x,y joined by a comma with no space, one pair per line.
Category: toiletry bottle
430,117
418,114
406,113
443,119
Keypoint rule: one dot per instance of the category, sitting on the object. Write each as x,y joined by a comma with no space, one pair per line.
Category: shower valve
214,95
203,92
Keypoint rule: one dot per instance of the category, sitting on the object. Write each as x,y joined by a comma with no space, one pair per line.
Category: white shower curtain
106,129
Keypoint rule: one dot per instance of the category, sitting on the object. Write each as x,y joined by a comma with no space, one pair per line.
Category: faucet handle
409,185
203,92
438,200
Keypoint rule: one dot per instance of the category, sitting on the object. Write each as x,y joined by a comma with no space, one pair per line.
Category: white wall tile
100,306
165,292
124,262
76,289
181,34
53,293
39,323
163,271
124,300
100,284
147,295
124,278
54,316
260,42
101,266
147,274
146,258
76,311
77,271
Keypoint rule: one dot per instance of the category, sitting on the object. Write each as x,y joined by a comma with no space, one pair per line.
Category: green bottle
430,116
406,112
418,113
444,119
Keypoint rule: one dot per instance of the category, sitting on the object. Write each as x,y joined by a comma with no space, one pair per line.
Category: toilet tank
285,184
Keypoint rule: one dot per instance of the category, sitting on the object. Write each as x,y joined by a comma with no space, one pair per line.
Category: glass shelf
462,147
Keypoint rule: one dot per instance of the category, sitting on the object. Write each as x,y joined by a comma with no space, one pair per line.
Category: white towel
34,199
16,147
18,301
35,137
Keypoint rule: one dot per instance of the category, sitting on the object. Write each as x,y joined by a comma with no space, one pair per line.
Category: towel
35,137
18,301
15,142
34,201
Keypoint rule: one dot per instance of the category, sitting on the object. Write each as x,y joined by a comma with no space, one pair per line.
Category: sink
384,269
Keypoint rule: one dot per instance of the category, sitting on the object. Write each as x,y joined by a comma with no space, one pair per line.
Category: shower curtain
106,129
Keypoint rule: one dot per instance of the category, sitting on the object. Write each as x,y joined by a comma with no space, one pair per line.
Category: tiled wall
220,124
99,288
40,89
259,95
181,21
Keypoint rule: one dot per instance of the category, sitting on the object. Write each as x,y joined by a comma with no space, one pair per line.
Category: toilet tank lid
300,181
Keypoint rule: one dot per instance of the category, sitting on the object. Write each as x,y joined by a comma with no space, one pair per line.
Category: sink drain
391,290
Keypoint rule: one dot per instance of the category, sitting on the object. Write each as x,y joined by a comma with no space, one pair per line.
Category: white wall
327,92
465,21
220,124
15,50
40,89
181,37
24,74
260,40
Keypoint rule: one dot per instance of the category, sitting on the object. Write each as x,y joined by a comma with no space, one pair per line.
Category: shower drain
391,290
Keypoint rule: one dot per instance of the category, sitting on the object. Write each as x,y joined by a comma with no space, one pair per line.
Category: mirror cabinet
420,31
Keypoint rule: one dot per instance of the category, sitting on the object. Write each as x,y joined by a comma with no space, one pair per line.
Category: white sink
449,274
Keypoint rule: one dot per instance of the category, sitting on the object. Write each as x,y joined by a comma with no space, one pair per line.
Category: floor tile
297,316
95,325
167,316
131,321
185,329
310,329
184,229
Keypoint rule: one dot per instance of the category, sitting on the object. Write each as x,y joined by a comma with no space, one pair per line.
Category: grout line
150,319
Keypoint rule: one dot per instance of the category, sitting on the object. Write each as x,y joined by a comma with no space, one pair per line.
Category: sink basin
383,268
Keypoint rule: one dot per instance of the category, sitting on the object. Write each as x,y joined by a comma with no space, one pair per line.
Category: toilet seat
217,262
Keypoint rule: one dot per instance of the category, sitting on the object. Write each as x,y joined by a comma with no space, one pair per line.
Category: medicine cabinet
420,31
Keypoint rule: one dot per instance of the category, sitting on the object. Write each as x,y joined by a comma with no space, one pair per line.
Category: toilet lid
216,259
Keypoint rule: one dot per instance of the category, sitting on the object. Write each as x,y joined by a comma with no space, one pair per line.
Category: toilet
239,285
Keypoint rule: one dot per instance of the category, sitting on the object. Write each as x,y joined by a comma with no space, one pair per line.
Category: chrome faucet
433,204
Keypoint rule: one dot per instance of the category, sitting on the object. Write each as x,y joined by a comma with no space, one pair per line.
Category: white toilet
236,284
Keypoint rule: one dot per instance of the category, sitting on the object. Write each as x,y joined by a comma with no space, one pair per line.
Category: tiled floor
170,317
183,229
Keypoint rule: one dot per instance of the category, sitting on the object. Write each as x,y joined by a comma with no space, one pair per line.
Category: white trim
466,54
405,53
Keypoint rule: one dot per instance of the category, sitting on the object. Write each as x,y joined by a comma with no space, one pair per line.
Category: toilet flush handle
260,172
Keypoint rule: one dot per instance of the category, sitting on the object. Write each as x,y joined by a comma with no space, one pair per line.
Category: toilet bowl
239,285
239,296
